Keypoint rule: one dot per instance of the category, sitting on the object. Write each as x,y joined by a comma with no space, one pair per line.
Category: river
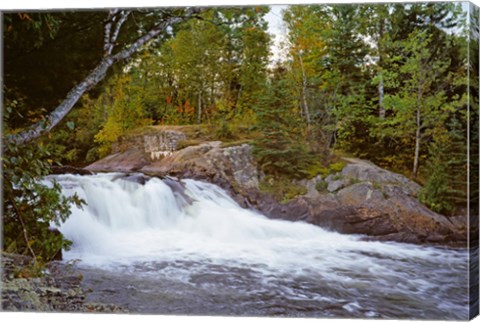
185,247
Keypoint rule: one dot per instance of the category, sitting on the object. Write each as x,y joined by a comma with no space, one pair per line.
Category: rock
58,290
178,189
361,170
335,185
130,160
66,169
139,178
394,214
231,168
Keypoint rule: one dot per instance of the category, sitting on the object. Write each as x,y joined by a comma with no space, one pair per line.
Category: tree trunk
417,134
304,92
199,119
381,96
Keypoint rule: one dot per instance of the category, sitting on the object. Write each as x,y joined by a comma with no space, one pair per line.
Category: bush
321,186
337,167
30,206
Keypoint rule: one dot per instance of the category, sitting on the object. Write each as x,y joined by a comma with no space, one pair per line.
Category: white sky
277,29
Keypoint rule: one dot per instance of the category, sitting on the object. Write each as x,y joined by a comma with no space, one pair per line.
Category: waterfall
130,220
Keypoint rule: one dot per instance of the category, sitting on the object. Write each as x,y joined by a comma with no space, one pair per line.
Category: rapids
185,247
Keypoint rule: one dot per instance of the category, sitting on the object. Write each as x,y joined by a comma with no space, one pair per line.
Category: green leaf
71,125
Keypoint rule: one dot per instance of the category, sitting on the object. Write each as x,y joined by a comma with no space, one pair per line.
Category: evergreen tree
280,150
446,187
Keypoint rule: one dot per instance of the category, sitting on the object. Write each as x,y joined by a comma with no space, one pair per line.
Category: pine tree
280,150
446,186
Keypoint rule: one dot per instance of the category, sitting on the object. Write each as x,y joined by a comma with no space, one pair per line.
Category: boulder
127,161
390,212
335,185
361,170
231,167
66,169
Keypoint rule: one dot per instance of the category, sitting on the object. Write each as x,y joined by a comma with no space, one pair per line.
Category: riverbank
57,289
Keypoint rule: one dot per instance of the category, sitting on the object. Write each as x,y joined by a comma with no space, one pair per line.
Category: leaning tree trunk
98,73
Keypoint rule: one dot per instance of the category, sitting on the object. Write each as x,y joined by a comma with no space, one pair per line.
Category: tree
327,57
446,187
307,51
420,104
279,150
112,28
126,111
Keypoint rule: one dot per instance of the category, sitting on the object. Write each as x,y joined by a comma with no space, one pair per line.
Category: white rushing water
126,223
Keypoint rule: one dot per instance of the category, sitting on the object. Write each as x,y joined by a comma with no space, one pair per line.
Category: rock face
233,168
139,151
360,199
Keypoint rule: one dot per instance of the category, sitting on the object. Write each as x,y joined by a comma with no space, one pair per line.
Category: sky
277,29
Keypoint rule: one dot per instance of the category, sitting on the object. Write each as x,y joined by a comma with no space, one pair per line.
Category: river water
185,247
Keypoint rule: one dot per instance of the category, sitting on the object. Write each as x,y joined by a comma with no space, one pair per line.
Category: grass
317,168
236,143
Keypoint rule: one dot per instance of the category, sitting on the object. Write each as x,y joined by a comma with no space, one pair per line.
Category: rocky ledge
58,289
362,198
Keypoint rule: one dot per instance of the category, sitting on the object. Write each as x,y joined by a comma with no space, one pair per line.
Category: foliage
124,110
321,186
31,204
281,188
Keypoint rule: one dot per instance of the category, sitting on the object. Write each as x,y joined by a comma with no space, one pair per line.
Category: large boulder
366,199
389,212
230,167
132,153
127,161
361,170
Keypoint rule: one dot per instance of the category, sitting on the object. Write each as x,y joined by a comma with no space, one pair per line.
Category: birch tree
420,104
111,55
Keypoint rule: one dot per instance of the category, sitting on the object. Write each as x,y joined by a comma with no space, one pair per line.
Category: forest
389,83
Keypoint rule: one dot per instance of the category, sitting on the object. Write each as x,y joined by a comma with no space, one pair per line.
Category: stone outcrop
133,153
233,168
362,198
58,289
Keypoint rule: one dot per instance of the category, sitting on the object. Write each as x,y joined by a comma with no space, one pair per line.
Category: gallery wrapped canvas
302,160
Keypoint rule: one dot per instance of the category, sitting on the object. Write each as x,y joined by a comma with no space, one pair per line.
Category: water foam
126,223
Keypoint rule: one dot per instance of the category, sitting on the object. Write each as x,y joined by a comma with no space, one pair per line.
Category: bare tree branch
108,30
93,78
112,37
